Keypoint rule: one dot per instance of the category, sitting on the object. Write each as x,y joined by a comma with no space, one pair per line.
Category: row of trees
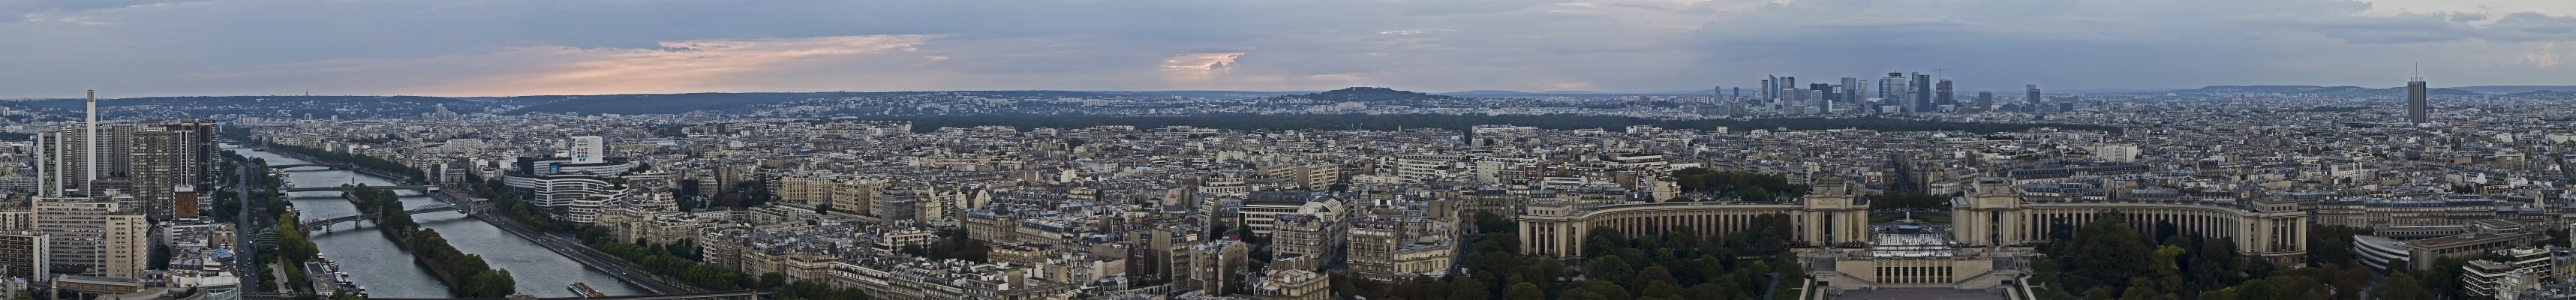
292,246
272,201
227,206
677,260
293,249
361,161
468,275
661,260
1748,186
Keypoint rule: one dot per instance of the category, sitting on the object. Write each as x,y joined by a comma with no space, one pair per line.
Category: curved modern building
580,195
1988,242
1829,215
1996,214
580,185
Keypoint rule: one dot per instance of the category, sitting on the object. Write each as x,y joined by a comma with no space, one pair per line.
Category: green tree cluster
1663,265
806,289
2328,245
2108,258
2444,277
674,260
952,244
292,251
679,260
745,194
268,199
671,130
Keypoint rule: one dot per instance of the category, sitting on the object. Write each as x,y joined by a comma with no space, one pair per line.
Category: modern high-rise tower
1922,92
1785,88
1767,88
2416,106
1892,89
93,236
2033,98
1941,95
1985,101
1851,91
159,165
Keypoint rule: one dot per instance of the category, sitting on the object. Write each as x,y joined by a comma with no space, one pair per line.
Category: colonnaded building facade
1993,234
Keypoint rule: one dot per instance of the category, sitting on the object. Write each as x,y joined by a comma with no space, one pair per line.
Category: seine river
375,262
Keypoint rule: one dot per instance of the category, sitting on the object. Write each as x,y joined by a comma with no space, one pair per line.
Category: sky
127,48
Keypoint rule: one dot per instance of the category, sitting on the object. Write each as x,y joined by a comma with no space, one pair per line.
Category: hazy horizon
498,48
106,94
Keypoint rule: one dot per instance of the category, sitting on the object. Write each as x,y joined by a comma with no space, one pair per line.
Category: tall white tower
89,148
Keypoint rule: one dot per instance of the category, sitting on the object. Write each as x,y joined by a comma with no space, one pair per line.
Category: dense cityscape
1288,150
1897,187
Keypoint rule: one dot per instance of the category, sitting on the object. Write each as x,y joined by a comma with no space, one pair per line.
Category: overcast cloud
52,48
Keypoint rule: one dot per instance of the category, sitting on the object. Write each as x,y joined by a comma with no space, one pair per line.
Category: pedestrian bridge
310,225
423,188
332,166
269,235
741,294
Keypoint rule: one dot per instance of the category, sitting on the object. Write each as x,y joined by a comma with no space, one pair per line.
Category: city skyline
148,48
1287,150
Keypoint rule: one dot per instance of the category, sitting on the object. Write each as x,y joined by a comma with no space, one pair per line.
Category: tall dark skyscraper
1767,88
1851,91
1942,95
1827,91
1985,101
1922,92
2416,105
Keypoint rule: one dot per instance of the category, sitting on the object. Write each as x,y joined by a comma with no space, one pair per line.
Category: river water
376,263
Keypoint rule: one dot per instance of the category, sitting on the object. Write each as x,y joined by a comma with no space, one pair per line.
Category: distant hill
2512,89
728,102
1367,94
653,103
1503,93
2284,89
76,104
2311,89
2569,94
2109,91
1489,93
1203,94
